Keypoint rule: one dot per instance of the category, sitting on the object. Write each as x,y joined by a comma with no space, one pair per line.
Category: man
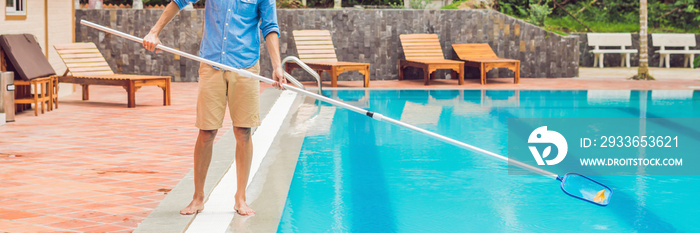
231,37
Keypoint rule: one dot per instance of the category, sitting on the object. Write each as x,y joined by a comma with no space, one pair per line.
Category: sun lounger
482,56
315,48
424,51
88,67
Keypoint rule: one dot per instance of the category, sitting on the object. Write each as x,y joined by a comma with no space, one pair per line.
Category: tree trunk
137,4
95,4
643,70
337,4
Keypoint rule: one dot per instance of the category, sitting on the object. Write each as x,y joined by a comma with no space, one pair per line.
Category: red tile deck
95,165
98,166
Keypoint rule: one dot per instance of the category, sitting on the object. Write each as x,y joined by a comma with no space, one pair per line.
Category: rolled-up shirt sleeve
268,16
184,3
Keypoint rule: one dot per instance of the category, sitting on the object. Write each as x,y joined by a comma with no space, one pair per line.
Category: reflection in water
338,210
421,115
366,178
314,120
607,96
358,99
493,98
671,94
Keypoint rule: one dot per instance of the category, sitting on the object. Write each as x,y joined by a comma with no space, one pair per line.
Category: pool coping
271,185
166,216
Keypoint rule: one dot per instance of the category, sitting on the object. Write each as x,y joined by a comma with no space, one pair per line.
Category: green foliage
517,8
538,13
350,3
396,5
568,24
682,14
289,4
454,5
609,15
473,4
418,4
696,63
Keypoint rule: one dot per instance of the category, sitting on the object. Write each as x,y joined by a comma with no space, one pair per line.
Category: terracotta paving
97,166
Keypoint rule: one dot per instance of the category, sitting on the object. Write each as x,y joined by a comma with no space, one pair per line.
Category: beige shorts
217,87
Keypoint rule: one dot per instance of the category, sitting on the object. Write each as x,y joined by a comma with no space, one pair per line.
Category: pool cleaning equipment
573,184
303,67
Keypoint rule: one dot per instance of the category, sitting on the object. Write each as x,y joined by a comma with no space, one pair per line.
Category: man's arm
270,29
151,40
272,44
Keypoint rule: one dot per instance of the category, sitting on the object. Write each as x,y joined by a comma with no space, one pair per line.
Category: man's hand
151,41
278,77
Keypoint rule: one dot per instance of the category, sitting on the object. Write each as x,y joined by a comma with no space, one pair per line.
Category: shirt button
224,38
223,52
229,9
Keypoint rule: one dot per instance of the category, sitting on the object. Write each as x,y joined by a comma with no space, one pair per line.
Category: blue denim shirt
231,35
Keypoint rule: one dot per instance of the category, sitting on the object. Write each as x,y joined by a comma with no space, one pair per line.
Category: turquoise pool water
361,175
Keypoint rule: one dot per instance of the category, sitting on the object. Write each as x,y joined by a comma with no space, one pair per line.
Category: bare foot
196,206
243,209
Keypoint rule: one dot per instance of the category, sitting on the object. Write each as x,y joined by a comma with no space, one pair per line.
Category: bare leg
244,157
202,159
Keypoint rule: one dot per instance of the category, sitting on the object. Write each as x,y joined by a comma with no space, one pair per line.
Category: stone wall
370,36
613,60
184,32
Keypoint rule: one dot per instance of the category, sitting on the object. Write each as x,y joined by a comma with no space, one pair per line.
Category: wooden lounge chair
482,56
88,67
424,51
315,48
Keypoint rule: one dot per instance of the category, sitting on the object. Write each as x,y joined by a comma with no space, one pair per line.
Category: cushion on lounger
25,55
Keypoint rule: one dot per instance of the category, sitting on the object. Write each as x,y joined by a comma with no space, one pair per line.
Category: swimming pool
358,175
